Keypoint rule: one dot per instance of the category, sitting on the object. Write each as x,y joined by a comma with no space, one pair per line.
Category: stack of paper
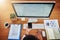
50,33
56,33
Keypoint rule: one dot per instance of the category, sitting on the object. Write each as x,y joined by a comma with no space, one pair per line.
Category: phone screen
29,25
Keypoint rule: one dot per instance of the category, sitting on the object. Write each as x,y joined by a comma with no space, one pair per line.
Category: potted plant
13,17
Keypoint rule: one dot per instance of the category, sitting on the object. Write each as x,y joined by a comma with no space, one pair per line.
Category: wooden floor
6,9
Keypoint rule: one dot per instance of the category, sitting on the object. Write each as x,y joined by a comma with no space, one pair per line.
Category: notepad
14,33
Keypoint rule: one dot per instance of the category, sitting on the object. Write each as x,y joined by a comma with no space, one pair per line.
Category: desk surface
7,10
33,31
4,33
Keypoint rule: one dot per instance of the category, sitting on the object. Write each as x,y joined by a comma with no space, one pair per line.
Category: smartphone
29,25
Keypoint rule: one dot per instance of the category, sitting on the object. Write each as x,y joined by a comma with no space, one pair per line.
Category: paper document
14,32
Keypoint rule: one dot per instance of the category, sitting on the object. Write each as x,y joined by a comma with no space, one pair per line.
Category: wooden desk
33,31
4,32
7,9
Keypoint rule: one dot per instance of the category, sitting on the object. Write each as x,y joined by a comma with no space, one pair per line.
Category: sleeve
23,37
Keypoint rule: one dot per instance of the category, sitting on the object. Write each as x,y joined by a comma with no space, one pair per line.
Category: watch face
29,25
